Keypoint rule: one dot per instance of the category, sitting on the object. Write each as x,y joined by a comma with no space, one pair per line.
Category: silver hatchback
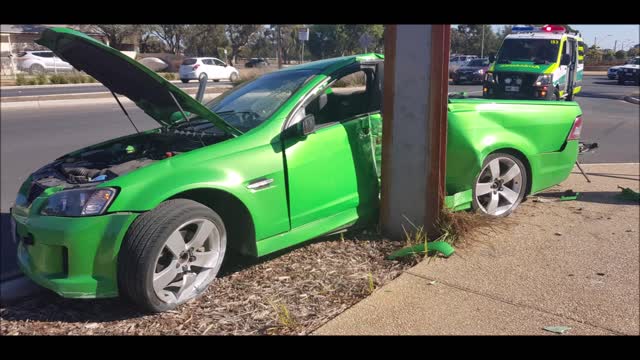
39,62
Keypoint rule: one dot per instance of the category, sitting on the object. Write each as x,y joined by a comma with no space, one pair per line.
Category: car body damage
274,162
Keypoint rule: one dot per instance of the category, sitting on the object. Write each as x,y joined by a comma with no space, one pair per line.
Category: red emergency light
553,28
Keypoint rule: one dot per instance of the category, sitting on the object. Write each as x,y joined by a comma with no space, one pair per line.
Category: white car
216,69
39,62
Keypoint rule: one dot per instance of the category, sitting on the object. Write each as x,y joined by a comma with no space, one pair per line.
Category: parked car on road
280,160
612,73
215,69
39,62
630,71
256,62
473,71
459,60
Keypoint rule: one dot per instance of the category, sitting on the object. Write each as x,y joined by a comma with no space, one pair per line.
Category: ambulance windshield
538,51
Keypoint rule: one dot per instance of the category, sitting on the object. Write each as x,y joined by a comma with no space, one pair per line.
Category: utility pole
278,46
615,44
482,46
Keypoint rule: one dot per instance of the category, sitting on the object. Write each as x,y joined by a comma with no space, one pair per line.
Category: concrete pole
414,127
482,46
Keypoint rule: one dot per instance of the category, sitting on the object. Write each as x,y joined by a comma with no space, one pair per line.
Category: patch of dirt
292,292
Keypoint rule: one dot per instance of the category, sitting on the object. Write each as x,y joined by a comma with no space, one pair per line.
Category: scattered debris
569,195
436,246
600,274
558,233
628,194
433,282
557,329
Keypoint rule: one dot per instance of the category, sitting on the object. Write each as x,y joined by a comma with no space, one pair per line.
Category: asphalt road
79,89
33,138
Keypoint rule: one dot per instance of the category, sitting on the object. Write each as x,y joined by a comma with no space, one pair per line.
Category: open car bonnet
124,75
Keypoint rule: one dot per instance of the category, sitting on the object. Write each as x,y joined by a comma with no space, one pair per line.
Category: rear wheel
36,69
171,254
500,185
233,77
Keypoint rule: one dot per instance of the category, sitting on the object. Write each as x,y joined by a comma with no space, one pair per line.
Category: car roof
330,65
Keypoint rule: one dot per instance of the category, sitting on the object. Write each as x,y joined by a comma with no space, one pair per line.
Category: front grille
34,191
526,83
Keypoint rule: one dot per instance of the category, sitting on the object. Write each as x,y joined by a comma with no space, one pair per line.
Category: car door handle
260,183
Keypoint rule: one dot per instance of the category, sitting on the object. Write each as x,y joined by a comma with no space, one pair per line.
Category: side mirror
303,128
492,58
308,125
566,59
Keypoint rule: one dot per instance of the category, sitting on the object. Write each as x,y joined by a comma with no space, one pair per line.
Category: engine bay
120,156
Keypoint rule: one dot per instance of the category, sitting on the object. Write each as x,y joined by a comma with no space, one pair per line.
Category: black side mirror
303,128
308,125
566,59
492,58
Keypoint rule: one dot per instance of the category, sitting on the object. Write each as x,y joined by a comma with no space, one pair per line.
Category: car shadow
596,95
599,197
8,256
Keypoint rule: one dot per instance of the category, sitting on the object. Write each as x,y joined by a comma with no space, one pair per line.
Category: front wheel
620,80
233,77
171,254
500,186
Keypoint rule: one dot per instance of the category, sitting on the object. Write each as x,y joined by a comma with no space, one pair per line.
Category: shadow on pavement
8,265
600,197
600,95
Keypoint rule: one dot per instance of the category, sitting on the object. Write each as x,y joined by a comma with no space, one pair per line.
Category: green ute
125,76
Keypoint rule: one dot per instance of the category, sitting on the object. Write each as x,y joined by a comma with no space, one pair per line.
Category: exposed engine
118,157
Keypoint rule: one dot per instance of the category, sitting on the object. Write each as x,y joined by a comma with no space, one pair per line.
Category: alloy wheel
499,186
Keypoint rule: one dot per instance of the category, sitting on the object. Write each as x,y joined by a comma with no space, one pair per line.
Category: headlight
81,202
544,80
480,71
488,76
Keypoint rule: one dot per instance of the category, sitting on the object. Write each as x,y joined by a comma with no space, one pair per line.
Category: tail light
196,66
576,129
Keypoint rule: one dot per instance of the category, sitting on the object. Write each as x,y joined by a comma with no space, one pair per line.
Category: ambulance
545,63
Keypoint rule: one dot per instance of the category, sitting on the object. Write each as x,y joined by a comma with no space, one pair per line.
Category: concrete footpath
560,263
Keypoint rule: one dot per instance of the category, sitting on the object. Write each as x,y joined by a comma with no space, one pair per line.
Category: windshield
635,61
250,104
189,61
541,51
478,62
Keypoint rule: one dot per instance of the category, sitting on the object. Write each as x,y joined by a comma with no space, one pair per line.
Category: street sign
303,34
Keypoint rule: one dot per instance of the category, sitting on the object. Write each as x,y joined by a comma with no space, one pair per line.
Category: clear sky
606,35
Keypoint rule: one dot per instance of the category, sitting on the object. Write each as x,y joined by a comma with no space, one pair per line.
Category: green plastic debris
557,329
628,194
436,246
459,201
569,195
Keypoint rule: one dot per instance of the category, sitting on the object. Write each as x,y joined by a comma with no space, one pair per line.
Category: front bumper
74,257
468,77
629,75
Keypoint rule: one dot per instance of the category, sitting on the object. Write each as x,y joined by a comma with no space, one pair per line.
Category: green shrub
31,82
21,80
41,79
169,76
90,79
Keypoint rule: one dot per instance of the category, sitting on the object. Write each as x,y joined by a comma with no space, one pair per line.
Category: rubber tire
525,181
36,69
233,77
184,81
144,241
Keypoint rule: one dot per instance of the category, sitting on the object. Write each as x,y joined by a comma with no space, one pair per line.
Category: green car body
272,186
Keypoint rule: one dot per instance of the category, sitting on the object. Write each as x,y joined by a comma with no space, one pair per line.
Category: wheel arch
235,214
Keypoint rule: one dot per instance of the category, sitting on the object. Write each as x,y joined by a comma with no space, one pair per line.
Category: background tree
239,36
116,34
173,35
620,54
205,40
632,52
